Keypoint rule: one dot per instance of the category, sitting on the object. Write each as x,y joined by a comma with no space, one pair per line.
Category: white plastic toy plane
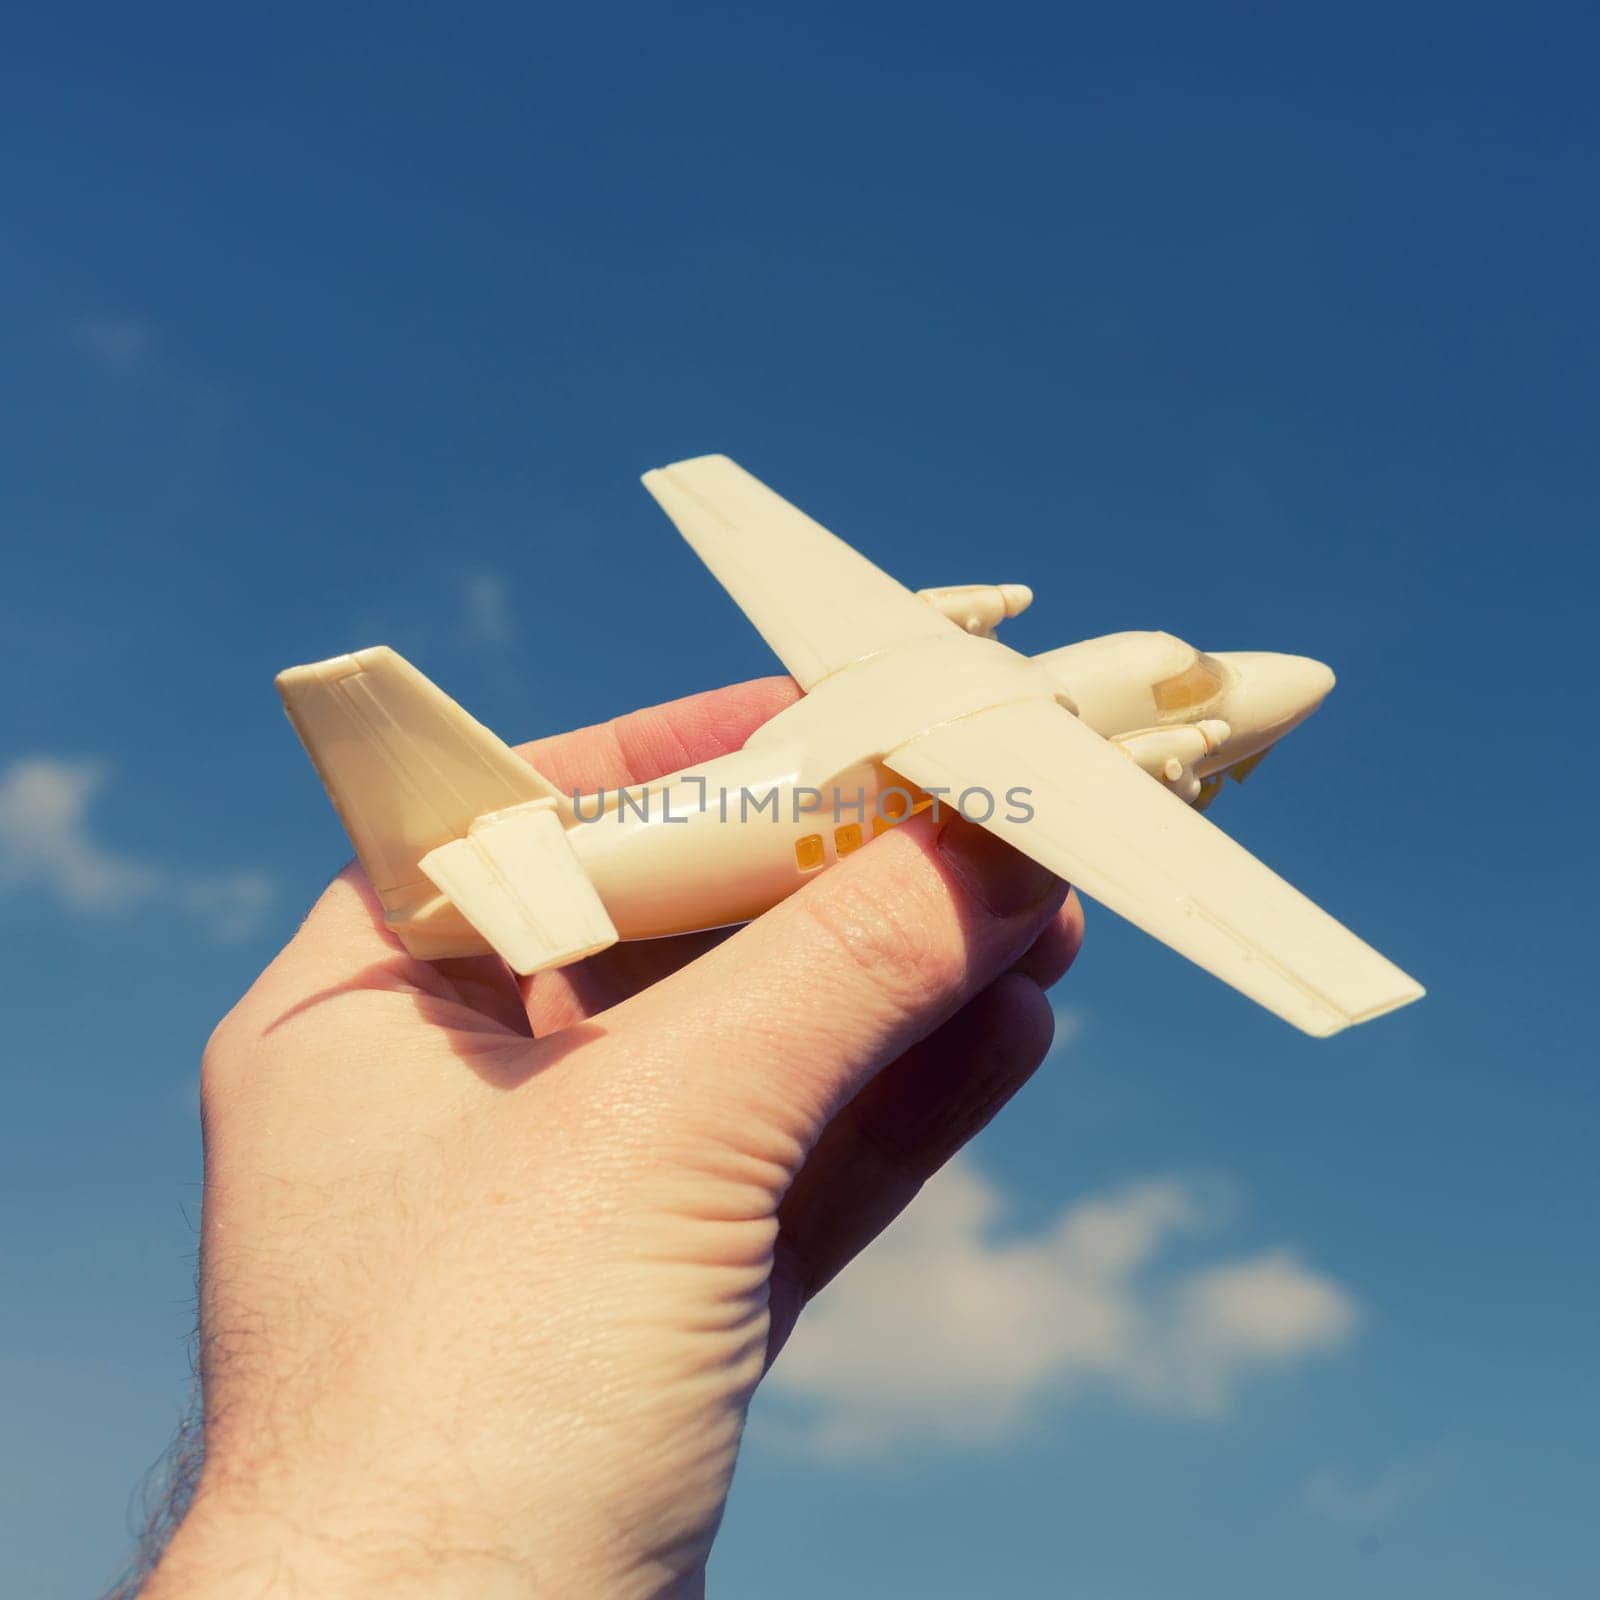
1094,759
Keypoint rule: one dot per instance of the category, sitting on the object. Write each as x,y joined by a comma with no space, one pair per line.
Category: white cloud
486,606
153,414
1367,1506
1267,1311
949,1329
46,844
1070,1023
123,343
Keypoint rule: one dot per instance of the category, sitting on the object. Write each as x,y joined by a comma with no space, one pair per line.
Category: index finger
648,744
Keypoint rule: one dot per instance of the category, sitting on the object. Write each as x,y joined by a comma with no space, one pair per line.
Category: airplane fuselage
725,840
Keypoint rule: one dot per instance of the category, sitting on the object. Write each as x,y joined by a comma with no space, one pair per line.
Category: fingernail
1000,877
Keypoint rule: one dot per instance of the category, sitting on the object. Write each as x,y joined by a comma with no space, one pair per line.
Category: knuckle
905,940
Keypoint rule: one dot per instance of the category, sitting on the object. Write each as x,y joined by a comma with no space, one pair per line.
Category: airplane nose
1272,693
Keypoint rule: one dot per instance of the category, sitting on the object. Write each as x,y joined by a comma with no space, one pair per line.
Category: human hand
491,1270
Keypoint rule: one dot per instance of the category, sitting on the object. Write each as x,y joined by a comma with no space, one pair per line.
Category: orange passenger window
808,852
896,811
847,838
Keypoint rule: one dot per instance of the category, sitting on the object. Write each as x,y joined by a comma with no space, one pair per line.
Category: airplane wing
818,603
1106,827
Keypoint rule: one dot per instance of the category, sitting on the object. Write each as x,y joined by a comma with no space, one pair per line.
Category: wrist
333,1497
267,1556
246,1545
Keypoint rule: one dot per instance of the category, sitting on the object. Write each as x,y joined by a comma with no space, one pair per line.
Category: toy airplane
1094,759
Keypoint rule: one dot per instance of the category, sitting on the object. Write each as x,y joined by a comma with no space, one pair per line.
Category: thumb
784,1022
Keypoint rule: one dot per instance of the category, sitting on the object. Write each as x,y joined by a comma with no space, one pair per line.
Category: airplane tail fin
409,773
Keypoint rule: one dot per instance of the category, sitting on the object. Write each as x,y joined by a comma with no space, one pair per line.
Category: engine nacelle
1170,755
980,608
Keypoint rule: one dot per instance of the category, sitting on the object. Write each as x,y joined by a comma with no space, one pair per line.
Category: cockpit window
1200,681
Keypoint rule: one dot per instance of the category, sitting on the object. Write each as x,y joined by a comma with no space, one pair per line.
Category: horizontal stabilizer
517,880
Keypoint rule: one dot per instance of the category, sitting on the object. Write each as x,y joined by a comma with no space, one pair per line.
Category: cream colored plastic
1141,852
818,603
516,878
1173,755
910,701
980,608
408,770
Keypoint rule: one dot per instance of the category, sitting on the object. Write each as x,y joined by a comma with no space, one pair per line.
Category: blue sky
1274,329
